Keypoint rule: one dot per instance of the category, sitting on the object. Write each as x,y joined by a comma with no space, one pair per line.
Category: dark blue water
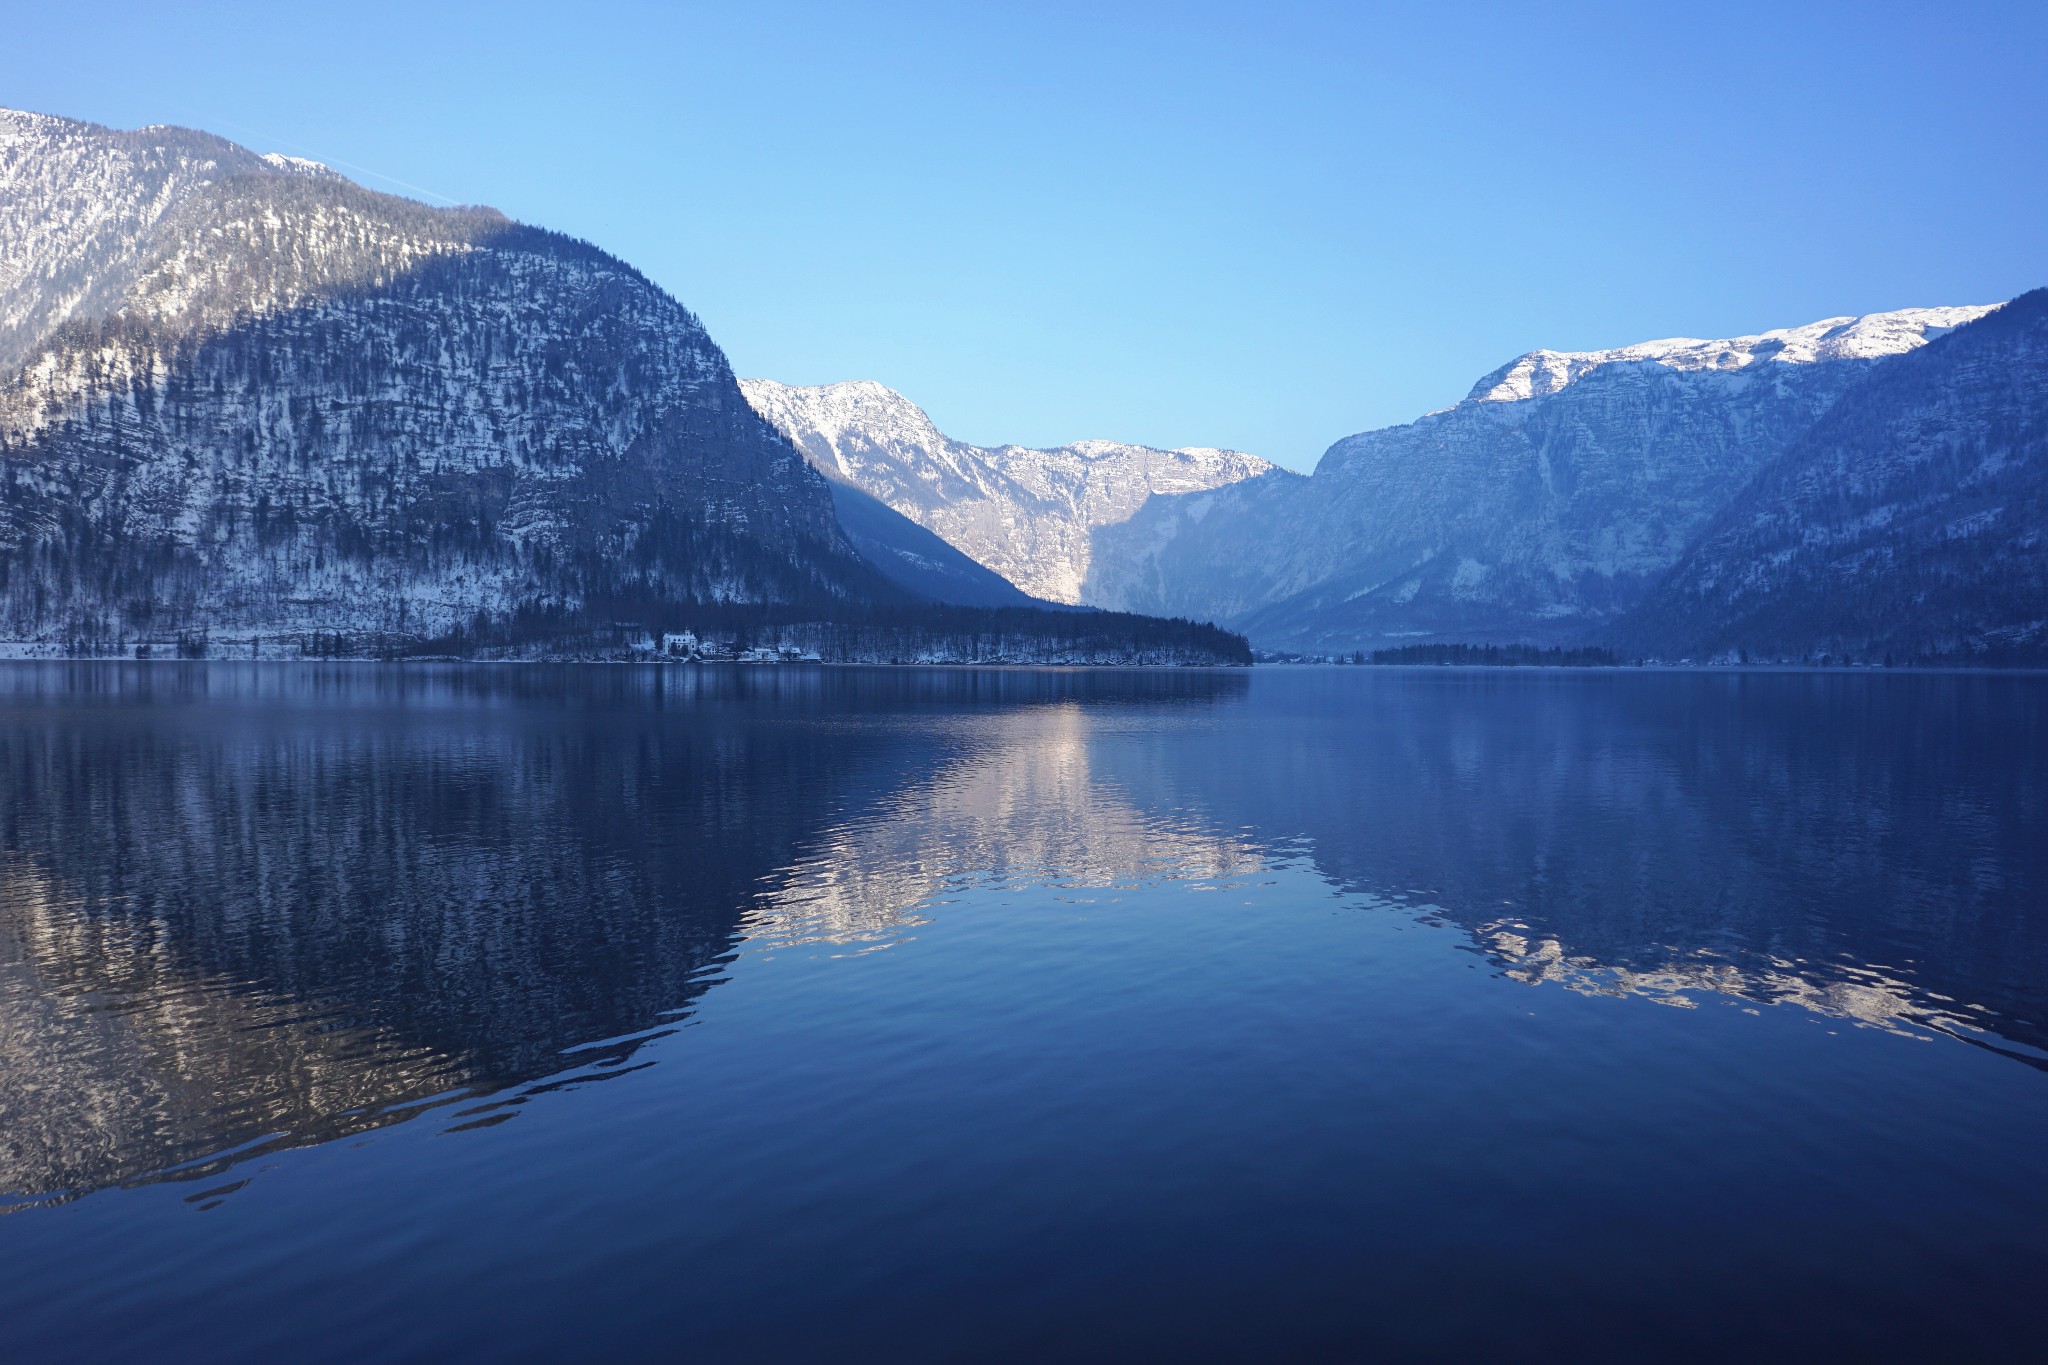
759,1014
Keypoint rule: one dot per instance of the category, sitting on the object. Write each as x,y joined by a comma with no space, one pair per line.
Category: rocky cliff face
1911,521
246,397
1030,515
1542,508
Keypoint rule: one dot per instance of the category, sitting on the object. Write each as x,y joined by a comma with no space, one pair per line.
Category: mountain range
249,407
1909,522
1028,514
1681,498
247,399
1542,508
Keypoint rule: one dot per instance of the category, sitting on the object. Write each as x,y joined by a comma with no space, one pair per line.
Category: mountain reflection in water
246,908
1867,846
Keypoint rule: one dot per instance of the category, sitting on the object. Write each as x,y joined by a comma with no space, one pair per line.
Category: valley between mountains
250,408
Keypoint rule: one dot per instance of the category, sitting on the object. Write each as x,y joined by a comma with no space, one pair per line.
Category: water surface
781,1013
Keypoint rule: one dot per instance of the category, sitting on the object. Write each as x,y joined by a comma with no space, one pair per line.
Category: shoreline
456,661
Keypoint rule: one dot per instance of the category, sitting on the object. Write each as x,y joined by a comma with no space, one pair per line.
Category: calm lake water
752,1014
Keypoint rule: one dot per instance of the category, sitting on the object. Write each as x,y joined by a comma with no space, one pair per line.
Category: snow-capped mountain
244,400
83,207
1870,337
1542,507
1030,515
253,398
1910,521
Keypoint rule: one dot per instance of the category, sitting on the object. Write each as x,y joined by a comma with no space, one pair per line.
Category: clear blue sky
1262,226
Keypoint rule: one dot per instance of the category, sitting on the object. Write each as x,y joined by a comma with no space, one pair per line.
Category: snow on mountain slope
252,398
1031,515
1910,521
1869,337
1540,508
84,208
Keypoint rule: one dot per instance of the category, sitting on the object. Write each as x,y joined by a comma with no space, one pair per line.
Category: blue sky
1261,226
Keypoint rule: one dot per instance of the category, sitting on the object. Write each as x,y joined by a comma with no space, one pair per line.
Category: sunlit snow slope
1910,522
1030,515
1543,507
241,395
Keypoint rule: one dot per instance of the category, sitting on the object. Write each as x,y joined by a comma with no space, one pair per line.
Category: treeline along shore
906,634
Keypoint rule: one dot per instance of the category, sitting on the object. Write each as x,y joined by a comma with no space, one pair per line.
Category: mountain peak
335,411
832,417
1869,337
301,166
1029,513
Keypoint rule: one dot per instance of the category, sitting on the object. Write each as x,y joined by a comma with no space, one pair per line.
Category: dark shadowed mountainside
1541,509
1910,523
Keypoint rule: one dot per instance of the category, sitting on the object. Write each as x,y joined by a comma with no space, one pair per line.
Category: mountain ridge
1869,336
255,406
1906,524
1539,510
1028,513
242,397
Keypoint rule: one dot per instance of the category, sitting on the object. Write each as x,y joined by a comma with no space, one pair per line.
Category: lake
788,1013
